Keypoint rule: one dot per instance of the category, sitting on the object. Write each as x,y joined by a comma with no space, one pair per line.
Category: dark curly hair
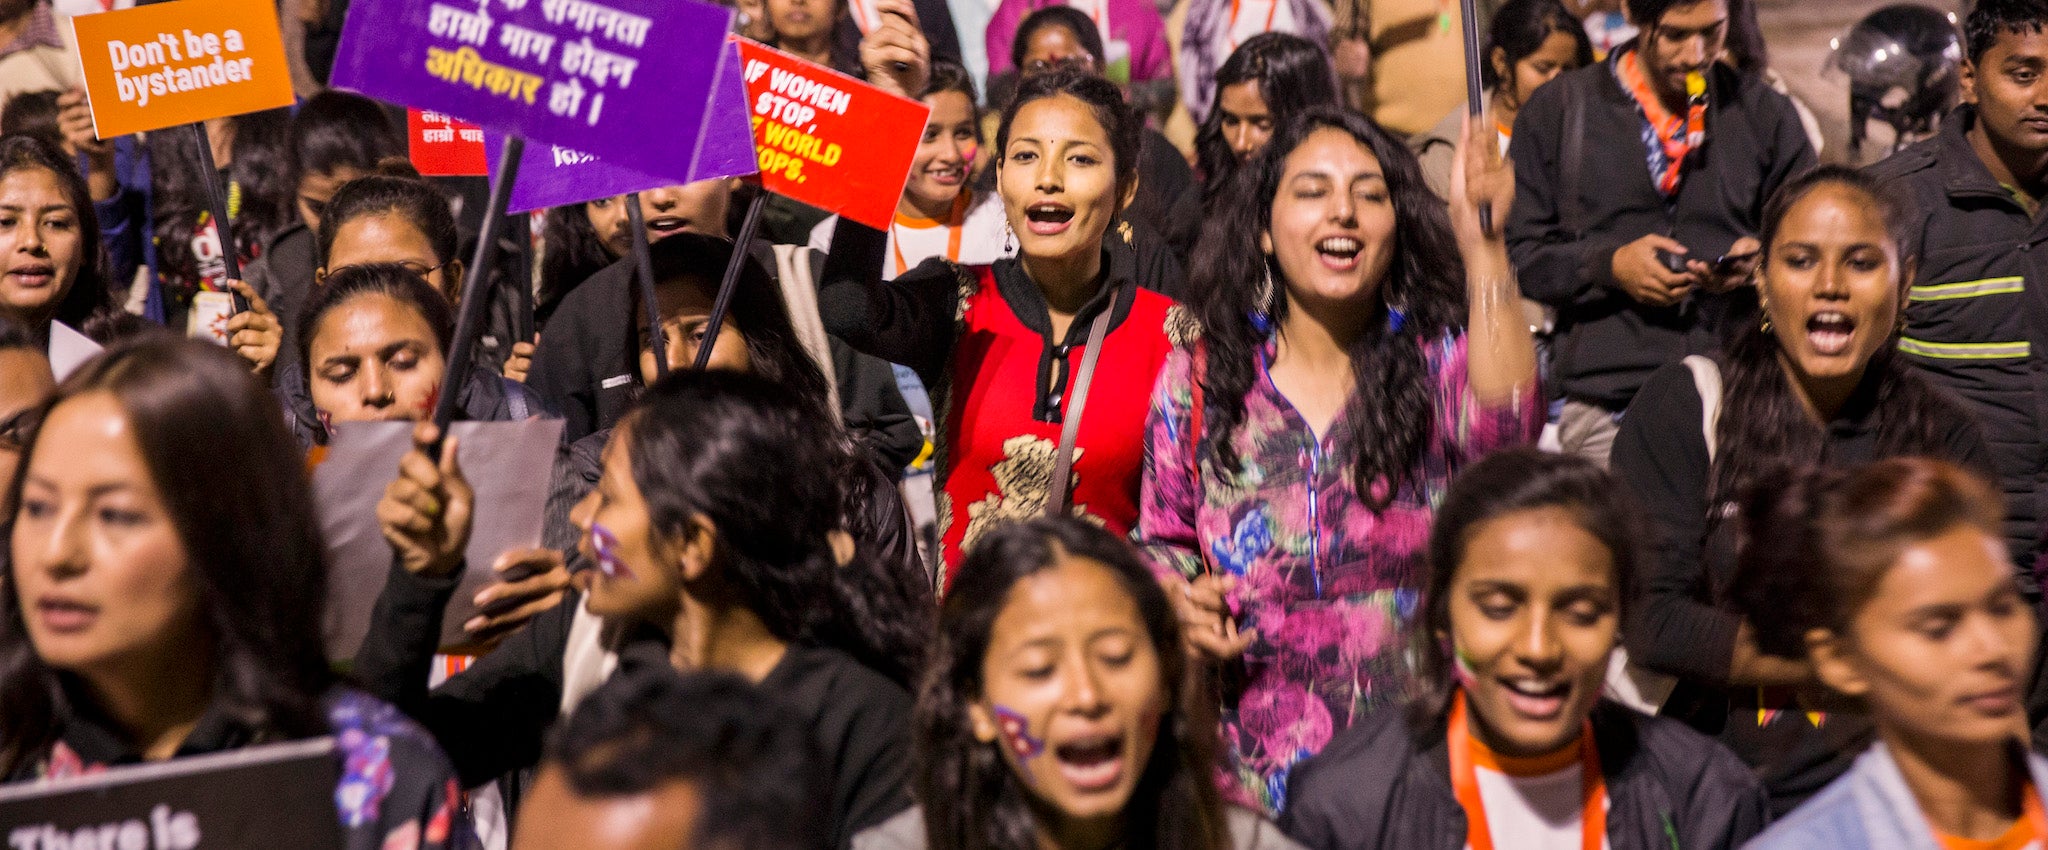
1395,410
972,799
244,514
1293,74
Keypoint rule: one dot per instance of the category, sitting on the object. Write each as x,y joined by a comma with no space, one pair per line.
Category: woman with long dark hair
717,534
1893,582
163,602
1054,712
1001,346
1358,348
253,153
1817,379
1533,561
1528,44
1265,83
53,270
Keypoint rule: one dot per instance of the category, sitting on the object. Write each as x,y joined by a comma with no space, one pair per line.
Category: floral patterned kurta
1329,585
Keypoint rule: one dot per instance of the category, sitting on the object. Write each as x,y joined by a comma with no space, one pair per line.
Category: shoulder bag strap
1062,495
1570,211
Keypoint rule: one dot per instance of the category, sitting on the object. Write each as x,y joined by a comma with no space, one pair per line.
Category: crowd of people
1235,441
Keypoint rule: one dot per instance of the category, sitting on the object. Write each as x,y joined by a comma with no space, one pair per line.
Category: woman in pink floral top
1293,510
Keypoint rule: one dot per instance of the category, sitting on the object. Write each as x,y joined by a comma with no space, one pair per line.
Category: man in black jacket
1632,177
1971,319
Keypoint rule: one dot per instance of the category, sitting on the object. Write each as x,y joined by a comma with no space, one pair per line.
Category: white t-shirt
1533,812
913,242
1253,17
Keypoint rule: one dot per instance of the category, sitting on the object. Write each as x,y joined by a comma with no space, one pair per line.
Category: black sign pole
522,282
732,277
643,271
1474,106
217,206
476,295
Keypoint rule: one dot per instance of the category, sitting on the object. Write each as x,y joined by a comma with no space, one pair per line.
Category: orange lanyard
1232,29
1465,783
953,223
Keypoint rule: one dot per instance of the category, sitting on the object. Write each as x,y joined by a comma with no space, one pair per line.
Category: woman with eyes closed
1000,346
1357,349
1894,583
377,338
1817,379
1053,718
1507,742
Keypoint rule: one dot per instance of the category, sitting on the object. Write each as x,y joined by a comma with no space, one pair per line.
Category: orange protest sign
167,64
827,139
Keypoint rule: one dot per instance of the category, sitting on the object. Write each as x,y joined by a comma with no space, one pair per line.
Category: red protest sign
827,139
441,146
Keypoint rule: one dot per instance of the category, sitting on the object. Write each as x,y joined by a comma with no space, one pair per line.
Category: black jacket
1685,625
1978,307
490,718
1608,343
1381,785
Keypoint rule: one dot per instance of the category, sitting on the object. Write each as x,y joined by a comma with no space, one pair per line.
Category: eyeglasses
1081,62
413,266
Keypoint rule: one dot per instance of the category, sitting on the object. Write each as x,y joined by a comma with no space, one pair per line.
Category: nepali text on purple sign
553,175
628,80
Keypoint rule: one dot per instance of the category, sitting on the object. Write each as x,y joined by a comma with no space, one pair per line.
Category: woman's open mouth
33,276
1829,332
1091,764
1046,218
661,226
1535,699
1339,253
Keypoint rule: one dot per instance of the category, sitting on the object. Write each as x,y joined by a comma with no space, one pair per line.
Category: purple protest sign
632,80
551,175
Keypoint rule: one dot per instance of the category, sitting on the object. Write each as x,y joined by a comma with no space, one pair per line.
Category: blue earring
1396,319
1262,307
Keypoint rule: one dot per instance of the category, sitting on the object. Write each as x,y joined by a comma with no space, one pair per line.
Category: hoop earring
1262,303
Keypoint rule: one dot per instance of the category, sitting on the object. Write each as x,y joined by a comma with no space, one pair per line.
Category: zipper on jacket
1315,518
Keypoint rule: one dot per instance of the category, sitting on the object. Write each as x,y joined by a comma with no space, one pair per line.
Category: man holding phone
1628,222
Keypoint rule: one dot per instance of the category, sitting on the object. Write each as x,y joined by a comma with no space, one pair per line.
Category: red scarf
1675,136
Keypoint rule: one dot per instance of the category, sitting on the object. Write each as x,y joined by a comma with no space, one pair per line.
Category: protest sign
827,139
552,175
441,145
507,464
167,64
272,795
628,80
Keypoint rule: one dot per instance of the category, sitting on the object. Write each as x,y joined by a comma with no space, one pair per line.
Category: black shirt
1684,625
491,717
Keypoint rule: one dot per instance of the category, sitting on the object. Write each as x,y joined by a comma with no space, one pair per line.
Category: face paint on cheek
969,151
1017,736
432,401
606,545
1462,668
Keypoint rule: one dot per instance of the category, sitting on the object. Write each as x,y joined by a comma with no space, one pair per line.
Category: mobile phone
1730,264
1672,260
